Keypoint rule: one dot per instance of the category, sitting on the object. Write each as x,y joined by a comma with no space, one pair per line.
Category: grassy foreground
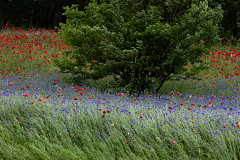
43,118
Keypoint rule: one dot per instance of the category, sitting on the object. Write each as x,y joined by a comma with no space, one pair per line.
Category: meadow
45,116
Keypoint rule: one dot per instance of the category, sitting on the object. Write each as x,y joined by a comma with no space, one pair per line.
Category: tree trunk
0,16
46,24
55,21
235,26
161,84
29,19
59,17
4,17
56,16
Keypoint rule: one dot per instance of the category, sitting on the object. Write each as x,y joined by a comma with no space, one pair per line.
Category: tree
231,16
35,13
142,41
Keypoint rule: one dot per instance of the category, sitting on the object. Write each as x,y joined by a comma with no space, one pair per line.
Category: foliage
231,16
136,41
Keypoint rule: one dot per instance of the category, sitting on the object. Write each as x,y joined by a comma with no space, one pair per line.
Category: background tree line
48,13
35,13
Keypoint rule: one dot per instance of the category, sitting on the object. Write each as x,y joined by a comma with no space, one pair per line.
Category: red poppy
212,96
170,107
81,93
135,99
104,112
75,98
39,99
149,95
163,131
181,104
11,84
22,88
119,94
178,93
103,115
140,116
100,109
108,111
90,97
26,95
192,104
171,92
224,126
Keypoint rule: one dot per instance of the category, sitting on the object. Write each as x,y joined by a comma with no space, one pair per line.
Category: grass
40,119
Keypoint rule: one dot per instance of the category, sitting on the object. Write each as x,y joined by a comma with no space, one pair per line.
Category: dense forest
48,13
35,13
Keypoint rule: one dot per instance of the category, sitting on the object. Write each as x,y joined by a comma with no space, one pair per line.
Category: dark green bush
144,42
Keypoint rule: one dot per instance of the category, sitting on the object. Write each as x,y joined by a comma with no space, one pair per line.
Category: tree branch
175,12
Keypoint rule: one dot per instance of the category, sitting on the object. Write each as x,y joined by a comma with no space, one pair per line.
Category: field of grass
43,117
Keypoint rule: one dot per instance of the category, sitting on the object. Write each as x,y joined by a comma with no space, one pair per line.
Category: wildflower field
44,117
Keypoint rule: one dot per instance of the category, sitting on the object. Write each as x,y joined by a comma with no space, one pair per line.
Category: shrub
142,42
